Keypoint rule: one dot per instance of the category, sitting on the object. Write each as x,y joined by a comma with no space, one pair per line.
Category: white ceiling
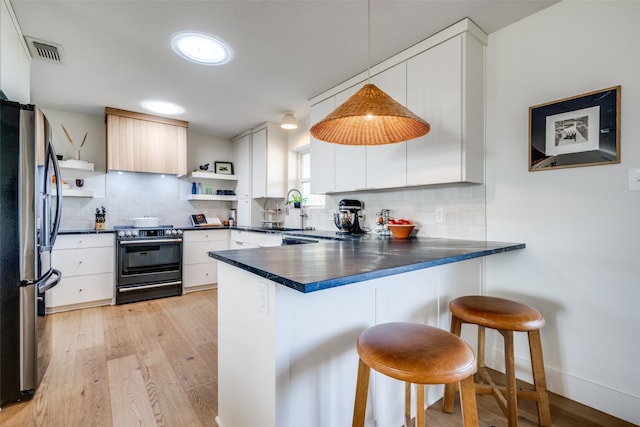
118,53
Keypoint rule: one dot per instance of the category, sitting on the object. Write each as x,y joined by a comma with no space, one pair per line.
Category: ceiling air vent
46,51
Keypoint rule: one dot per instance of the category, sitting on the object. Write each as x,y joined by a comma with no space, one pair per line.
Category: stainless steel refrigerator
30,209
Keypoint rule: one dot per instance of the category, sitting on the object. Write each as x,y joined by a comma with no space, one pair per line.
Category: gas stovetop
129,232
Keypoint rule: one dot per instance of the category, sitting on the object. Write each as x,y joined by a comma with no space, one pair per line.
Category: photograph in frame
583,130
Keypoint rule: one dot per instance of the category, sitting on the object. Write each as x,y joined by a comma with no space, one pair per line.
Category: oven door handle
146,242
154,285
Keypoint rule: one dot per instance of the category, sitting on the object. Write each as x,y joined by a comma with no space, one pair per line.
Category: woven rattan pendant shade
370,117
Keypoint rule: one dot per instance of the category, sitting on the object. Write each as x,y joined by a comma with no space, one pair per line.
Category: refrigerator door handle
51,154
47,283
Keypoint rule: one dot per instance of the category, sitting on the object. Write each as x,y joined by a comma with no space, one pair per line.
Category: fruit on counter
399,221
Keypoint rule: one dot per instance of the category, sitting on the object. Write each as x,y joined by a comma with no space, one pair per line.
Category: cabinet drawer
206,236
81,289
80,241
74,262
197,252
199,274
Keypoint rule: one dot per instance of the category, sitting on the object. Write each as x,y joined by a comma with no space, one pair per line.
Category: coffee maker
346,219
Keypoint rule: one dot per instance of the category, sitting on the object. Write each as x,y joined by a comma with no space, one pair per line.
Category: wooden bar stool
418,354
506,317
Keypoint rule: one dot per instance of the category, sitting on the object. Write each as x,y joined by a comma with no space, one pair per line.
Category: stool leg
420,406
510,372
468,402
362,389
539,380
449,389
481,347
407,404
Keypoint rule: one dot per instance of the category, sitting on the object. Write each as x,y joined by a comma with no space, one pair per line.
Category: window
304,178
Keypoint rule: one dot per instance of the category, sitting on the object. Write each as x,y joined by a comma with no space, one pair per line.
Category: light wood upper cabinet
144,143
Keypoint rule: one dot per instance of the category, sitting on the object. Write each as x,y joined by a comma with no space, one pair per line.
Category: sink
296,241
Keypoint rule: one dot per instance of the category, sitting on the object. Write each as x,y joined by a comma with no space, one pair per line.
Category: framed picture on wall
225,168
583,130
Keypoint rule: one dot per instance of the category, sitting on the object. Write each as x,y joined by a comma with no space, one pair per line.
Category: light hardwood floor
155,364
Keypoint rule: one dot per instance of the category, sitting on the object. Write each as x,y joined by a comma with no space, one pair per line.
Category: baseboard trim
69,307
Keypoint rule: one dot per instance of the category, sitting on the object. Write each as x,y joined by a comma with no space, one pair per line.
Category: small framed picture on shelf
224,168
582,130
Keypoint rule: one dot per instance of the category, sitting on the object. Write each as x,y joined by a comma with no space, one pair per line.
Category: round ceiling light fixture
162,107
201,48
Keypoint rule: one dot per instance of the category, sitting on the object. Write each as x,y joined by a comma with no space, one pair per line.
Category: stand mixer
346,219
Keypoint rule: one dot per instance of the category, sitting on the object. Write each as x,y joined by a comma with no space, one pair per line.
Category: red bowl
401,231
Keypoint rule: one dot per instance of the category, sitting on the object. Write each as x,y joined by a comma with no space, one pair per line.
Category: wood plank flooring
154,363
142,364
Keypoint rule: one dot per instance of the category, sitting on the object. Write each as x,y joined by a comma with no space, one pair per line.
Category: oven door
148,269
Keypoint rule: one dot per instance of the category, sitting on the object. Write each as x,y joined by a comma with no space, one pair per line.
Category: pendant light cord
369,35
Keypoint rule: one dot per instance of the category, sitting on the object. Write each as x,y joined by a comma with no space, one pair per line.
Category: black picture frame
582,130
224,168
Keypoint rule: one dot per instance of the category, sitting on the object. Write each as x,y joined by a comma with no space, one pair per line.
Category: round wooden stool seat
418,354
496,313
506,317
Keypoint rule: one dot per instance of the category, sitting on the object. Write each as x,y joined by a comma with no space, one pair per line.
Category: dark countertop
86,231
324,265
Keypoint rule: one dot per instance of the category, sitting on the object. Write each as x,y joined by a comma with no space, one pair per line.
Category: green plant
296,200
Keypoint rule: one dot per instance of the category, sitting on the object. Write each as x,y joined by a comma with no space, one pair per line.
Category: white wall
581,225
15,61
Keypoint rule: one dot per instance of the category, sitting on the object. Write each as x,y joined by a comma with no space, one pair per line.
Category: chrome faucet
302,212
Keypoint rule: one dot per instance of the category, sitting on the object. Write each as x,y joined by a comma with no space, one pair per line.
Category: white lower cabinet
199,270
86,262
241,239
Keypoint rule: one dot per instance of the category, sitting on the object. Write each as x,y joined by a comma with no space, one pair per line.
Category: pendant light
370,117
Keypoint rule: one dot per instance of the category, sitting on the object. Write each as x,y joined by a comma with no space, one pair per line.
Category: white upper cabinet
350,160
322,153
387,164
442,81
445,86
269,162
242,165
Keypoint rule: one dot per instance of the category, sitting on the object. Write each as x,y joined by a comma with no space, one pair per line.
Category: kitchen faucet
302,212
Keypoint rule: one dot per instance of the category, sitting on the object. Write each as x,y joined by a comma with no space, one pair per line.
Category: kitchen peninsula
289,318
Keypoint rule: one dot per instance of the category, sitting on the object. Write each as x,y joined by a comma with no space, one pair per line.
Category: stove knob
179,232
128,234
120,233
134,233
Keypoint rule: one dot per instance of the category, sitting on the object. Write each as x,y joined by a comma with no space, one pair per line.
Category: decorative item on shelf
194,188
101,218
224,168
79,183
370,117
84,140
204,167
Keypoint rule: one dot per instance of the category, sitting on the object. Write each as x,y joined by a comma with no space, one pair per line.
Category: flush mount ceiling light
289,121
370,117
201,48
162,107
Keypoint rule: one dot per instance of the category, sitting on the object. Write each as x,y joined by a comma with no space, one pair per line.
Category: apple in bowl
400,228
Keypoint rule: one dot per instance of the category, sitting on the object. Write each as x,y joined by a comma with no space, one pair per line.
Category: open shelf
212,197
76,169
72,192
211,175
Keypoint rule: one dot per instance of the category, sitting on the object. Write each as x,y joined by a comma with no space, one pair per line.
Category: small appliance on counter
347,217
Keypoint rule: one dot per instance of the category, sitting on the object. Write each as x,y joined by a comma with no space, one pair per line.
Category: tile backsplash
463,206
127,195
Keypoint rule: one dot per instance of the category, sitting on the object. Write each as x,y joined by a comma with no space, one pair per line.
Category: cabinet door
322,168
350,160
259,163
200,274
434,92
242,166
198,252
80,262
81,289
387,164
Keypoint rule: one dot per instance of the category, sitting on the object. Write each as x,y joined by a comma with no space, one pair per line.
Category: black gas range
149,263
